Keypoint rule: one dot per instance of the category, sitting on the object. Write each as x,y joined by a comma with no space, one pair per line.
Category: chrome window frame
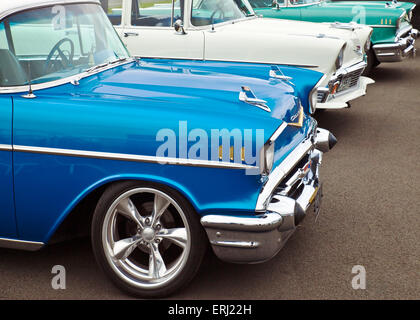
54,83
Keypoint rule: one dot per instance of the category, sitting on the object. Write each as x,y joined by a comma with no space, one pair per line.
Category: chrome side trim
130,157
381,26
236,244
6,147
20,244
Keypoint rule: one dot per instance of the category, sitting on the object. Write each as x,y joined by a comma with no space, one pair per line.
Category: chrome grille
350,79
292,182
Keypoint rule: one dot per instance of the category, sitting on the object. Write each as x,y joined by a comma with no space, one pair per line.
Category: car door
148,31
7,74
7,211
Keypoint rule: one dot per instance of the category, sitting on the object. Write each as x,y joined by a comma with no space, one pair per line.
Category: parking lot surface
370,217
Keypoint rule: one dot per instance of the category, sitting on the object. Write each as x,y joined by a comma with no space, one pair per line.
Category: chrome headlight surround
368,43
267,157
400,19
410,13
340,59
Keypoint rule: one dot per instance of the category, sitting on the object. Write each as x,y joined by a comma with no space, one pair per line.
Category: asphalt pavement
370,217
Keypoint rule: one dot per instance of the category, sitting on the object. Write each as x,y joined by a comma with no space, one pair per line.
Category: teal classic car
393,35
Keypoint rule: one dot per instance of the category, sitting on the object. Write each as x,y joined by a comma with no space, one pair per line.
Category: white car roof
8,7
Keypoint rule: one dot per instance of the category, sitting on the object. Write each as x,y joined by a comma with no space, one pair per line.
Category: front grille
350,80
291,185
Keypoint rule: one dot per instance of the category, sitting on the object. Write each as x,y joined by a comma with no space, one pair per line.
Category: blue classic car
153,159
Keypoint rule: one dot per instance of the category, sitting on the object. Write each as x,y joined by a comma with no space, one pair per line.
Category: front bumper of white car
346,84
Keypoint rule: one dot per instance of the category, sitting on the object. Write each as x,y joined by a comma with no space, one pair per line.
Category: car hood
169,94
376,11
269,40
130,108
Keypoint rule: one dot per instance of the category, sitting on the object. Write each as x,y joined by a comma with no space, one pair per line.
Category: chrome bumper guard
281,206
402,48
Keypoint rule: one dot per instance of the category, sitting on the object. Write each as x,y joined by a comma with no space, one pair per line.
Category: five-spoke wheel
147,238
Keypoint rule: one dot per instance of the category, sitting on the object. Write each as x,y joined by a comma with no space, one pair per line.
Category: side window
113,9
153,13
3,39
265,3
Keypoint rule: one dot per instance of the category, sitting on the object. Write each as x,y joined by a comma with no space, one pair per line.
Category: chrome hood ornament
246,95
276,73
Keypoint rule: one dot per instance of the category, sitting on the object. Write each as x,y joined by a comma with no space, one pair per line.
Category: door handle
130,34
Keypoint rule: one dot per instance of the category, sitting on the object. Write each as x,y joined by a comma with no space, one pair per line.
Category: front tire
372,62
147,238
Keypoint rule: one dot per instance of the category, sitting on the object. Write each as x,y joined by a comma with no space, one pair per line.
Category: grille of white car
350,79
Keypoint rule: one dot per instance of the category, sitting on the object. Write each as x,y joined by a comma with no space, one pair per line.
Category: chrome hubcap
148,234
146,237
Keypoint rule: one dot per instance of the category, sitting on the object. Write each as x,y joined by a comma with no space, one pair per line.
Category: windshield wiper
99,66
103,65
117,60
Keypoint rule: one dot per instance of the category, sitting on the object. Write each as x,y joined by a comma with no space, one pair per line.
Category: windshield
208,12
56,42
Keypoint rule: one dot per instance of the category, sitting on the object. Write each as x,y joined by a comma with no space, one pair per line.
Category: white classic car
229,30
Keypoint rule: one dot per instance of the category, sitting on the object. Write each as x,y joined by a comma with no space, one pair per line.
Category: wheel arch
75,221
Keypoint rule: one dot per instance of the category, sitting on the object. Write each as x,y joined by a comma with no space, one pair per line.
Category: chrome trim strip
20,244
6,147
381,26
131,157
56,83
280,172
236,244
278,132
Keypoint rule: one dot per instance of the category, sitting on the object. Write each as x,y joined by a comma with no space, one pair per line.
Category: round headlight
313,100
368,43
340,59
269,158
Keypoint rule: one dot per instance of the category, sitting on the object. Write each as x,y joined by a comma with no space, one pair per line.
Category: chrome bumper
255,239
394,52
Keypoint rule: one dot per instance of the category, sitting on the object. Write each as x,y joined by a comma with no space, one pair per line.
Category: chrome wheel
146,238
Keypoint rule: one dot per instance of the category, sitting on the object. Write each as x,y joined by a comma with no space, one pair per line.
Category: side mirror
179,27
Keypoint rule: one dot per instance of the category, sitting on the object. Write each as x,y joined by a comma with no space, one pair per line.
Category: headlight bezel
400,19
410,14
340,58
368,43
267,157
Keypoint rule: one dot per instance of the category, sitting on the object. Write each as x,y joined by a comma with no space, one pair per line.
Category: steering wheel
64,61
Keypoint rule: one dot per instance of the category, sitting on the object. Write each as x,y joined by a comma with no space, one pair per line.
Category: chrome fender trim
20,244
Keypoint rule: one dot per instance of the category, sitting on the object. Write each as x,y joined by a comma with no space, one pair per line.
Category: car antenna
30,94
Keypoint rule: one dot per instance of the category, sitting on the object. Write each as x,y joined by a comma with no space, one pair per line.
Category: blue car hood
144,99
